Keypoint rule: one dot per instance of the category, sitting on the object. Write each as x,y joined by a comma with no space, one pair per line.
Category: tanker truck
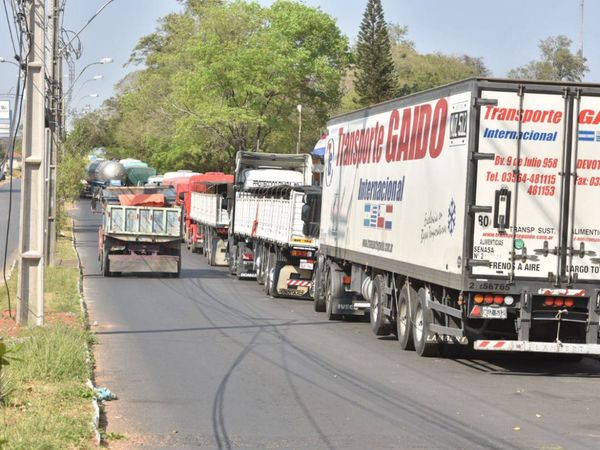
463,215
102,172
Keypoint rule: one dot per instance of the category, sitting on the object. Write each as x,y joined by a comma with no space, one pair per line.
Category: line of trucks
463,214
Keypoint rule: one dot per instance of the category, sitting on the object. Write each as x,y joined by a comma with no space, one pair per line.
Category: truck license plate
490,312
304,264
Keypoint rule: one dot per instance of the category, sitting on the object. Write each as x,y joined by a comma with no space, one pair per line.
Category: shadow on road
218,328
528,364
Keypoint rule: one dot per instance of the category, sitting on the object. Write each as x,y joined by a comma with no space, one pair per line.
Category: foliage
375,74
416,71
49,405
226,76
556,63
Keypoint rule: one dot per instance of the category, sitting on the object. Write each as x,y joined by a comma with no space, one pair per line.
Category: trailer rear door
583,257
520,198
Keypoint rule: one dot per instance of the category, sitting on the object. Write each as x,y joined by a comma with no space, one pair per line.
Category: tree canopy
557,62
227,76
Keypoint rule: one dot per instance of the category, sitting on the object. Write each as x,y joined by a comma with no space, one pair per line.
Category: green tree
227,76
556,63
375,74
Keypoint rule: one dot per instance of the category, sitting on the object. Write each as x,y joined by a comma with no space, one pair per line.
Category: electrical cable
12,39
14,130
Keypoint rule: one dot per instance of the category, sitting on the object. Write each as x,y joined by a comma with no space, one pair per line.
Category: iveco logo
329,161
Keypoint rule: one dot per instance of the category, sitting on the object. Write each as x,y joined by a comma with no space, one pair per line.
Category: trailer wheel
422,318
231,259
379,323
333,290
267,264
404,327
105,261
318,294
261,261
274,279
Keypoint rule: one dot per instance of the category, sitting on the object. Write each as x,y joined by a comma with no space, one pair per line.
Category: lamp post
299,108
81,98
94,78
4,60
67,94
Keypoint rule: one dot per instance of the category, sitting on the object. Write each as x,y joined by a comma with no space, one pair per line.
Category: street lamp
4,60
81,98
94,78
72,83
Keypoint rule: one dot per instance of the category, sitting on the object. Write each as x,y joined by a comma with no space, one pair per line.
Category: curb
88,348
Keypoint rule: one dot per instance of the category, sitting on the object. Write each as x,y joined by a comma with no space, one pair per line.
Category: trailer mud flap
538,347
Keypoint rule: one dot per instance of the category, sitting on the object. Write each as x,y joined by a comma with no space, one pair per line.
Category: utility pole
30,293
581,28
55,131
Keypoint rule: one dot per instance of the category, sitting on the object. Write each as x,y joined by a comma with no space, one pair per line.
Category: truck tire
105,261
178,273
261,261
333,289
318,294
274,279
422,317
379,323
231,259
211,249
404,328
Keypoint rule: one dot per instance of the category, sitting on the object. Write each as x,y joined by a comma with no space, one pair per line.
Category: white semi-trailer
467,214
275,222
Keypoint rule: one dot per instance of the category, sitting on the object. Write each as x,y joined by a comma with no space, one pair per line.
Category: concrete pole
55,129
30,294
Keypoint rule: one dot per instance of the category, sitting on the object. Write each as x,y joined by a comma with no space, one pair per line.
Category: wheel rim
402,318
375,307
419,331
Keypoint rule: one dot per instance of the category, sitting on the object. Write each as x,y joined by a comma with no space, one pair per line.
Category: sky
505,33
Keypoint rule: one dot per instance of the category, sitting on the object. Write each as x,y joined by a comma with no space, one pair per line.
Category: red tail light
498,299
549,301
248,256
488,299
559,302
346,280
300,253
569,302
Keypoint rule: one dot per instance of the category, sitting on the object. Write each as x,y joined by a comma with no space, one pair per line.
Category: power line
12,39
14,129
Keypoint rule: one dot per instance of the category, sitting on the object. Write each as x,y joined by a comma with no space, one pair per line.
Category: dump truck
141,231
272,236
464,215
206,211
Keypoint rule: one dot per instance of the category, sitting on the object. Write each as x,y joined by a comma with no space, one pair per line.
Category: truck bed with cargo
465,214
272,235
141,231
206,207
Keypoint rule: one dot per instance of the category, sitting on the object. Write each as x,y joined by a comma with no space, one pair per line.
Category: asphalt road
209,361
13,238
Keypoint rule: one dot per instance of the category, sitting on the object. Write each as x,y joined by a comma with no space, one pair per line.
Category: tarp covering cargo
142,200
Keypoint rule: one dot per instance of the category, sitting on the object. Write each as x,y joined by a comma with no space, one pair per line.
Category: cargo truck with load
207,216
141,231
466,214
273,236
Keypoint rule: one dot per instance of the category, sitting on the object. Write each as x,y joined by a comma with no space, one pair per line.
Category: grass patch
46,404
